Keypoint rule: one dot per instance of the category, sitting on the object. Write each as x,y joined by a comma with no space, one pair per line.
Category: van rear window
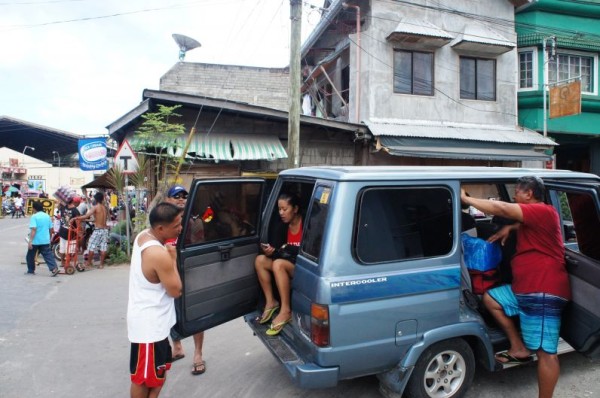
313,235
403,223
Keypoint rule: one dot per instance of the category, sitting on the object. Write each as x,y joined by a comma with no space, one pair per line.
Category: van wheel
444,370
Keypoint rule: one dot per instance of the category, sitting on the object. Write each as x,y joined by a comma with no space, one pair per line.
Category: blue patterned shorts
99,239
539,314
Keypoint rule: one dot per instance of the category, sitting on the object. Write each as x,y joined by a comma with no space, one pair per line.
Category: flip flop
177,357
277,327
267,314
505,358
199,368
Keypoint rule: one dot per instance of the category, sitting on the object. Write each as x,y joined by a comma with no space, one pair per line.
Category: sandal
199,368
277,327
267,314
505,358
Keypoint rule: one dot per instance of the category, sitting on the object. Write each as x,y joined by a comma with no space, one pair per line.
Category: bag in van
480,255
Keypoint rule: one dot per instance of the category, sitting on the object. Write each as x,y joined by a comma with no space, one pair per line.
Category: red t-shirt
294,239
539,263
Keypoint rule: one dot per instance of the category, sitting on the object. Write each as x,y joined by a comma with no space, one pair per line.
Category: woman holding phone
278,259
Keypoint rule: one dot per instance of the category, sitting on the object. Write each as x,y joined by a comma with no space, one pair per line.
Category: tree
159,136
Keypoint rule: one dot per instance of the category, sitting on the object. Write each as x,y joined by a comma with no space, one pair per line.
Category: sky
79,65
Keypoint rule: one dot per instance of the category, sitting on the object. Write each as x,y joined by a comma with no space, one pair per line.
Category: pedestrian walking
40,227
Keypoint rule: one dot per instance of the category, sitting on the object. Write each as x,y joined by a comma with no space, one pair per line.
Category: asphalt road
66,337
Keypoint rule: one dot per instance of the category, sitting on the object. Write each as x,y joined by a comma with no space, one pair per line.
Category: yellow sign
565,100
114,200
49,205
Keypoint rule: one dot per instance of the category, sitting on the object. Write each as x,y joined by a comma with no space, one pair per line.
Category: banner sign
92,154
565,99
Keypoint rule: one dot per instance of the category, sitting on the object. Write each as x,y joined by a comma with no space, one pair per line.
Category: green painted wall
577,28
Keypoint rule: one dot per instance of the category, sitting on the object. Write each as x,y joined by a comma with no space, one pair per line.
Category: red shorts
149,362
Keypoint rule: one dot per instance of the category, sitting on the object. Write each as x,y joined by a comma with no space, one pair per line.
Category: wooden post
127,214
293,148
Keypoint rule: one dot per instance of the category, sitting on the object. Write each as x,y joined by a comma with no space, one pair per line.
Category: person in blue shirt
40,226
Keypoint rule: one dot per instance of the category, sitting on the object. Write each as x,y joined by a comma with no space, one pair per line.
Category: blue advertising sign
92,154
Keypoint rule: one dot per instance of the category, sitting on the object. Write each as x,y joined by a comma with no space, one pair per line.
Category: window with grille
570,66
526,71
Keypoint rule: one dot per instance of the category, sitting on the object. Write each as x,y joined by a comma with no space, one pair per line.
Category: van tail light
319,325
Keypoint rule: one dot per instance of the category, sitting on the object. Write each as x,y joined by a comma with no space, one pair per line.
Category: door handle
571,260
225,251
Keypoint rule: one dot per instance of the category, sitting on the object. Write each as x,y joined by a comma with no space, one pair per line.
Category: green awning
219,146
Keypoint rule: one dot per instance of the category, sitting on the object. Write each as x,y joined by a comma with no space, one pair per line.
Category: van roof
357,173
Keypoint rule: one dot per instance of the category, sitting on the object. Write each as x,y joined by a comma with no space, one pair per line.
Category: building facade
571,32
435,82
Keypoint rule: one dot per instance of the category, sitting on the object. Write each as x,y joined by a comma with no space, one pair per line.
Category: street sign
126,159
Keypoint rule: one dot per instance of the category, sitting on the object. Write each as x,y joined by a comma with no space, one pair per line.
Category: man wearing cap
40,226
177,195
101,234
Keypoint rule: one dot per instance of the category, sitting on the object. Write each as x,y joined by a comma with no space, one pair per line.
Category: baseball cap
175,189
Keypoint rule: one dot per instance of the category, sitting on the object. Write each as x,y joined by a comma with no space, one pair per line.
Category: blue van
380,286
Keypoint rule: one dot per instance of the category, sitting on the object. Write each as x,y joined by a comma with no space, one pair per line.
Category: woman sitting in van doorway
279,258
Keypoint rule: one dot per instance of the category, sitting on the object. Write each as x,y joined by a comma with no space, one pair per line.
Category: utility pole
293,148
545,80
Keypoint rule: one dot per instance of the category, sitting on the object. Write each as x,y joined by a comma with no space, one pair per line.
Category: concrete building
435,82
31,173
571,30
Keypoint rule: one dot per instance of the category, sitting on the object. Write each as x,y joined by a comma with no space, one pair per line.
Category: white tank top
150,311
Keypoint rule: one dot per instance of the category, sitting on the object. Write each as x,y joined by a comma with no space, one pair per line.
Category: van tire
445,369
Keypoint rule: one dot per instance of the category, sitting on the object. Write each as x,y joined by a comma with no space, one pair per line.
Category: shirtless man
100,236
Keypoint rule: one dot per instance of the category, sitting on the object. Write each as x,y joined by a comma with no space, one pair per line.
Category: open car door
579,208
216,252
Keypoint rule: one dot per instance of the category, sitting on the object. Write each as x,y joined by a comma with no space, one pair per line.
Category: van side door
579,209
216,253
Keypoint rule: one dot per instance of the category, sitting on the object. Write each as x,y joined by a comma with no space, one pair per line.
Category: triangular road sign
126,159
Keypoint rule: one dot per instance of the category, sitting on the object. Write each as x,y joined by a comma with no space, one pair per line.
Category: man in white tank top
154,283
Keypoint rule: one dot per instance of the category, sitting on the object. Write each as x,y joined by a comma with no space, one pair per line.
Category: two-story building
435,82
571,32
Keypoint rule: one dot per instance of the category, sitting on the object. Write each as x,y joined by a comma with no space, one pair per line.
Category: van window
223,210
581,222
403,223
315,227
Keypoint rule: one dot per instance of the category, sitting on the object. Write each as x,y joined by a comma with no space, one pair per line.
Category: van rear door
216,252
579,208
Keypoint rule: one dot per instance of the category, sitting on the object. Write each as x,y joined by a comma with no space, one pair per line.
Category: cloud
81,76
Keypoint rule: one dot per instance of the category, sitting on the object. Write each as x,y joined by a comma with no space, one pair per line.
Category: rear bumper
305,374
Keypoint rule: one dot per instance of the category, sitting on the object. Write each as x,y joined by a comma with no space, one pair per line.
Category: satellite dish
185,44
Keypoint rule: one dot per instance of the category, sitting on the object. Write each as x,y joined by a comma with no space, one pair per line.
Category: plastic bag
480,255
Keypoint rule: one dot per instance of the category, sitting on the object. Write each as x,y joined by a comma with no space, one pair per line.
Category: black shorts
149,362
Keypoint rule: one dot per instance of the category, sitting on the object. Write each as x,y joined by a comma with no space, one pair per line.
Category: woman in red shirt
280,262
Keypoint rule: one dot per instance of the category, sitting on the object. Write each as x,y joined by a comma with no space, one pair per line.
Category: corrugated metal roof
220,146
429,148
421,28
456,131
574,42
475,33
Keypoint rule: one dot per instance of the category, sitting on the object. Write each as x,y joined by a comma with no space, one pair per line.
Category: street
66,337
